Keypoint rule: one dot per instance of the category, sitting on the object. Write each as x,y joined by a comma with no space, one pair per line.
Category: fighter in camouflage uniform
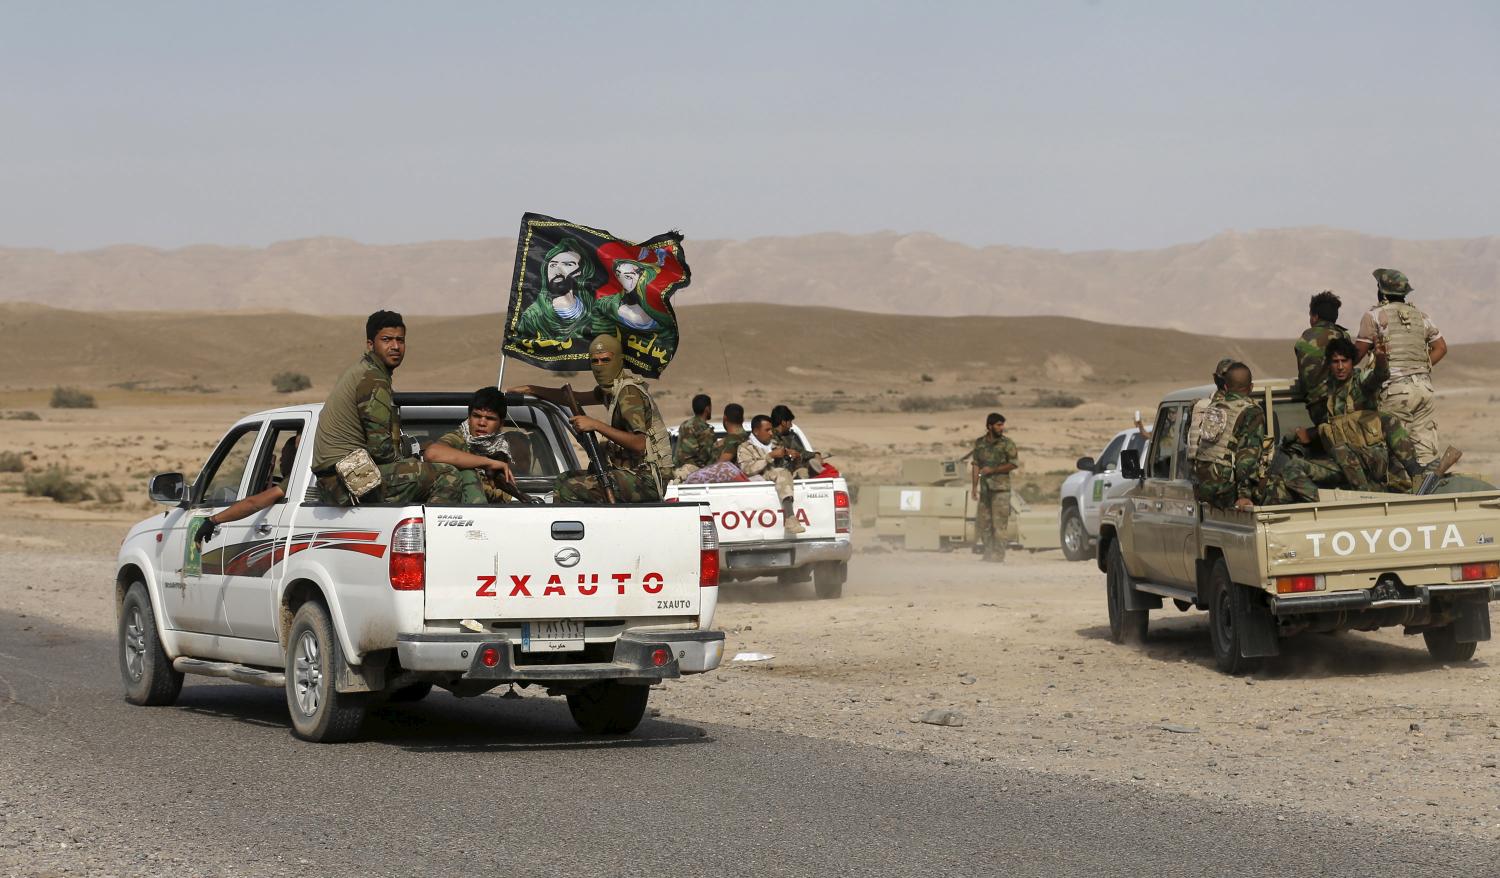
360,413
1195,417
1372,448
1415,346
994,458
478,448
1228,468
1312,362
695,440
637,450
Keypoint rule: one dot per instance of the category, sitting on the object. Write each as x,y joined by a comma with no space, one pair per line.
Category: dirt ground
1356,727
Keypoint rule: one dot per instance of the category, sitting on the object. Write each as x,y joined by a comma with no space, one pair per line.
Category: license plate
760,559
560,636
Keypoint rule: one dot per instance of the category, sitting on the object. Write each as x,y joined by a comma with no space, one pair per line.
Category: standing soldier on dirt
994,458
638,451
1311,348
1415,346
360,416
695,440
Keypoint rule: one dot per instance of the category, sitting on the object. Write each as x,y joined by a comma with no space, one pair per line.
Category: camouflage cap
1223,367
1392,281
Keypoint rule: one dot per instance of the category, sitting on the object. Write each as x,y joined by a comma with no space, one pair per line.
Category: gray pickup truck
1351,560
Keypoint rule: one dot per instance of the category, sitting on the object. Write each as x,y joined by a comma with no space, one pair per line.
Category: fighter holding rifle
635,459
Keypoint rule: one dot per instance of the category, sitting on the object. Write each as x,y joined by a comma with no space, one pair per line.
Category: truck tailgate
1383,532
748,512
562,562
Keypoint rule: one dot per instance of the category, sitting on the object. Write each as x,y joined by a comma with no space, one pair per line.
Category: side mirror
168,488
1086,463
1130,464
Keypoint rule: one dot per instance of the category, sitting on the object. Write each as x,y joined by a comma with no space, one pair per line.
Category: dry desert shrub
1052,399
20,416
977,400
109,494
57,483
71,398
290,382
12,462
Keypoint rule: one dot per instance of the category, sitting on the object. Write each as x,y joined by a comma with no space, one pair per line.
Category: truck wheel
608,708
828,579
319,711
144,668
1226,614
1125,626
1443,648
1075,540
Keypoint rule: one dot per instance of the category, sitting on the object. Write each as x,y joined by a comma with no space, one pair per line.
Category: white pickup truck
1097,481
753,542
344,607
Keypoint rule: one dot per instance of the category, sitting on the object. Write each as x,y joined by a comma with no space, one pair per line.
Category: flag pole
500,379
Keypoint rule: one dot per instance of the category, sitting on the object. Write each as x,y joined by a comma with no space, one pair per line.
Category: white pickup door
568,563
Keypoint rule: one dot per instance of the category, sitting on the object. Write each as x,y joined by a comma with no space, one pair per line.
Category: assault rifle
1449,458
590,445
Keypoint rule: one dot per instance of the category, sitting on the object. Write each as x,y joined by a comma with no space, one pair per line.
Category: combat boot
793,526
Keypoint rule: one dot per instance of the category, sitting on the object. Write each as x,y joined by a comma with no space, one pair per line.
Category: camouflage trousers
1292,483
405,481
1387,467
991,520
478,489
631,486
1410,400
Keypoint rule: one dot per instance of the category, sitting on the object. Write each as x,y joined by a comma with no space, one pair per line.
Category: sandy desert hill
1234,284
816,350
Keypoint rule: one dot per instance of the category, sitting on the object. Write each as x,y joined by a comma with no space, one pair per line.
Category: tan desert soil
1356,727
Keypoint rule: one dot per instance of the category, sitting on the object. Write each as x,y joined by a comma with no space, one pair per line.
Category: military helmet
1391,282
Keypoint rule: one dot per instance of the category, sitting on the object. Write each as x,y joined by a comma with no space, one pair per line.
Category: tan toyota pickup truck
1352,560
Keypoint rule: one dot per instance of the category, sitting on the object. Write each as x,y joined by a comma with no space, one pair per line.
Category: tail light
408,556
1298,584
841,512
708,552
1476,572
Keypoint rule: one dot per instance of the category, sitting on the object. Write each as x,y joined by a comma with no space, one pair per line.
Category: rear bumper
691,652
1364,599
774,556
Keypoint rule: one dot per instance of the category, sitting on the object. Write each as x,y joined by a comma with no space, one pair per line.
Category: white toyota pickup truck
752,539
344,607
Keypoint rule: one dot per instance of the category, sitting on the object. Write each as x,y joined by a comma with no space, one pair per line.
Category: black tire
413,692
1074,538
1125,626
1443,648
145,670
1226,609
608,708
828,579
320,713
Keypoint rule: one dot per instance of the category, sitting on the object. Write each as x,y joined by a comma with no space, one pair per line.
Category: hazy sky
1057,124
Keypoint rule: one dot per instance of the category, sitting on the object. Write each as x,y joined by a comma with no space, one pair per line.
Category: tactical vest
1405,333
1216,440
1356,430
1195,425
658,441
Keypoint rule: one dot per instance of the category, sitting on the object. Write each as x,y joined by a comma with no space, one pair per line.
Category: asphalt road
217,785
